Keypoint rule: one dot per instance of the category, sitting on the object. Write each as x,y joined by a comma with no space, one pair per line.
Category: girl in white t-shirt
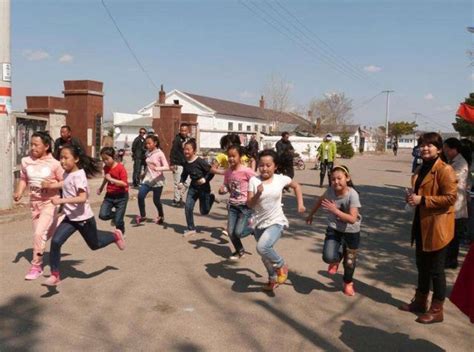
264,196
79,217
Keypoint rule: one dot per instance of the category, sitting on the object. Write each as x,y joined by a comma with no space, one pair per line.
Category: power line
128,46
366,102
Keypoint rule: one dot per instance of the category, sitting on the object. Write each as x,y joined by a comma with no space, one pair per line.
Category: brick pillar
85,104
166,120
53,108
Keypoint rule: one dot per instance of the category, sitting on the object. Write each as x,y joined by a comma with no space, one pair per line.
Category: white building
215,118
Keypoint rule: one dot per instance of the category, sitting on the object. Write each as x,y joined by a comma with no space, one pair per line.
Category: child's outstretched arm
252,198
101,188
80,198
299,196
309,219
19,190
350,217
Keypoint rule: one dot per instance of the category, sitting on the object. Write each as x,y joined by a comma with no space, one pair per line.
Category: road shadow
305,285
219,250
19,325
367,338
241,282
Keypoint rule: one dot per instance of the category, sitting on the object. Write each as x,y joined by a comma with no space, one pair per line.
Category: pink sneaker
139,220
349,289
332,268
119,241
34,272
53,280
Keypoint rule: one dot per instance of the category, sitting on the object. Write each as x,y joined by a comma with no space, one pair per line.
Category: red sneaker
53,280
349,289
119,241
332,268
270,285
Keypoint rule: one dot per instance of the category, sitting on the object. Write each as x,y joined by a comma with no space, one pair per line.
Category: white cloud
429,96
66,58
35,55
372,68
246,95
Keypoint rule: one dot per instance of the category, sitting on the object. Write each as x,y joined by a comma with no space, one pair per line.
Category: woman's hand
330,206
56,201
414,200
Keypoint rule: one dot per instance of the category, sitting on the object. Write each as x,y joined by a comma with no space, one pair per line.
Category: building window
255,128
249,128
240,127
270,129
264,129
230,126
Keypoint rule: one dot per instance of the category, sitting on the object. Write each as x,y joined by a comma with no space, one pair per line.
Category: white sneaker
189,233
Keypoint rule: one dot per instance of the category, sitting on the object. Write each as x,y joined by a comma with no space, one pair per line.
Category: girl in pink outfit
153,180
36,169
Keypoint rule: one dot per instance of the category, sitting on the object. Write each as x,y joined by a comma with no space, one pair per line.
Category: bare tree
277,97
333,108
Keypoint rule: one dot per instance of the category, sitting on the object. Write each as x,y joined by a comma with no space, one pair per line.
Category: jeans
237,224
266,239
94,238
119,202
143,191
341,245
325,166
430,267
206,200
138,166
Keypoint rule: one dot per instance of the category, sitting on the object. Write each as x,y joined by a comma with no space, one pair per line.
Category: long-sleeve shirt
156,159
177,154
138,148
196,170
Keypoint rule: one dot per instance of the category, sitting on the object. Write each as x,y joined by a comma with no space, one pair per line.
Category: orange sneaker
349,289
282,273
332,268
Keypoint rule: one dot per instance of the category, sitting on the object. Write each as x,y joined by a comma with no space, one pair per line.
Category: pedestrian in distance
285,153
39,167
433,195
200,173
177,161
66,138
138,156
395,147
236,183
79,216
342,203
265,198
153,179
326,155
115,201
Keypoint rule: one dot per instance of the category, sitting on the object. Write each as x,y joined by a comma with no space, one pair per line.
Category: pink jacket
156,163
36,170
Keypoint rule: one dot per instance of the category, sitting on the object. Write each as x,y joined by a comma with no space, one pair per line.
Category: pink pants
45,219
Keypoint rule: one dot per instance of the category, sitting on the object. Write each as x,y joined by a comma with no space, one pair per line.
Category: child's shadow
305,285
240,282
27,254
219,250
372,292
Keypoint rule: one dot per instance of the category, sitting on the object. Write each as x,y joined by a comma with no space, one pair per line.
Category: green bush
344,147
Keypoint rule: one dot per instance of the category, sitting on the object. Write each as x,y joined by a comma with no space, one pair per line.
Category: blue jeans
266,239
237,224
94,238
206,199
341,245
143,191
119,202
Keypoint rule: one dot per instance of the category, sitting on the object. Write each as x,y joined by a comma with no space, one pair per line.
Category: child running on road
201,174
116,196
36,168
264,196
343,232
153,180
236,182
79,216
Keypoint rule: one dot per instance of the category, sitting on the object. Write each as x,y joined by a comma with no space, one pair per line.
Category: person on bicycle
326,155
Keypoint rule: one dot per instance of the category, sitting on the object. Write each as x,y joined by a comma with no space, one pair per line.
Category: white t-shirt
268,210
74,182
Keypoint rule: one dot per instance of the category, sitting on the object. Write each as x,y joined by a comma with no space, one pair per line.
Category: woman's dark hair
87,163
45,138
154,139
109,151
432,138
192,143
269,152
228,140
345,170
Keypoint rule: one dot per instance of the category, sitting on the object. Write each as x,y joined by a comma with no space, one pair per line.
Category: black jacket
177,154
59,143
138,148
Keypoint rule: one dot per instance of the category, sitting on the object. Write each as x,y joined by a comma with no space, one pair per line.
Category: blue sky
222,49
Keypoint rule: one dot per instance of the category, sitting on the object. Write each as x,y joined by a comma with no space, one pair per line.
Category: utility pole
6,162
387,111
416,114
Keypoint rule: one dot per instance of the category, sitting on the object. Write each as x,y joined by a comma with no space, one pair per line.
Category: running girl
200,173
264,196
79,217
38,167
342,202
236,182
153,180
116,197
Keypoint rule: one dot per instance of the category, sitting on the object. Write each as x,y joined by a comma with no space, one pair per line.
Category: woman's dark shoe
434,314
419,303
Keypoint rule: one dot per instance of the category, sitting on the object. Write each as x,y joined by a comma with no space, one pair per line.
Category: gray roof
140,122
336,129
